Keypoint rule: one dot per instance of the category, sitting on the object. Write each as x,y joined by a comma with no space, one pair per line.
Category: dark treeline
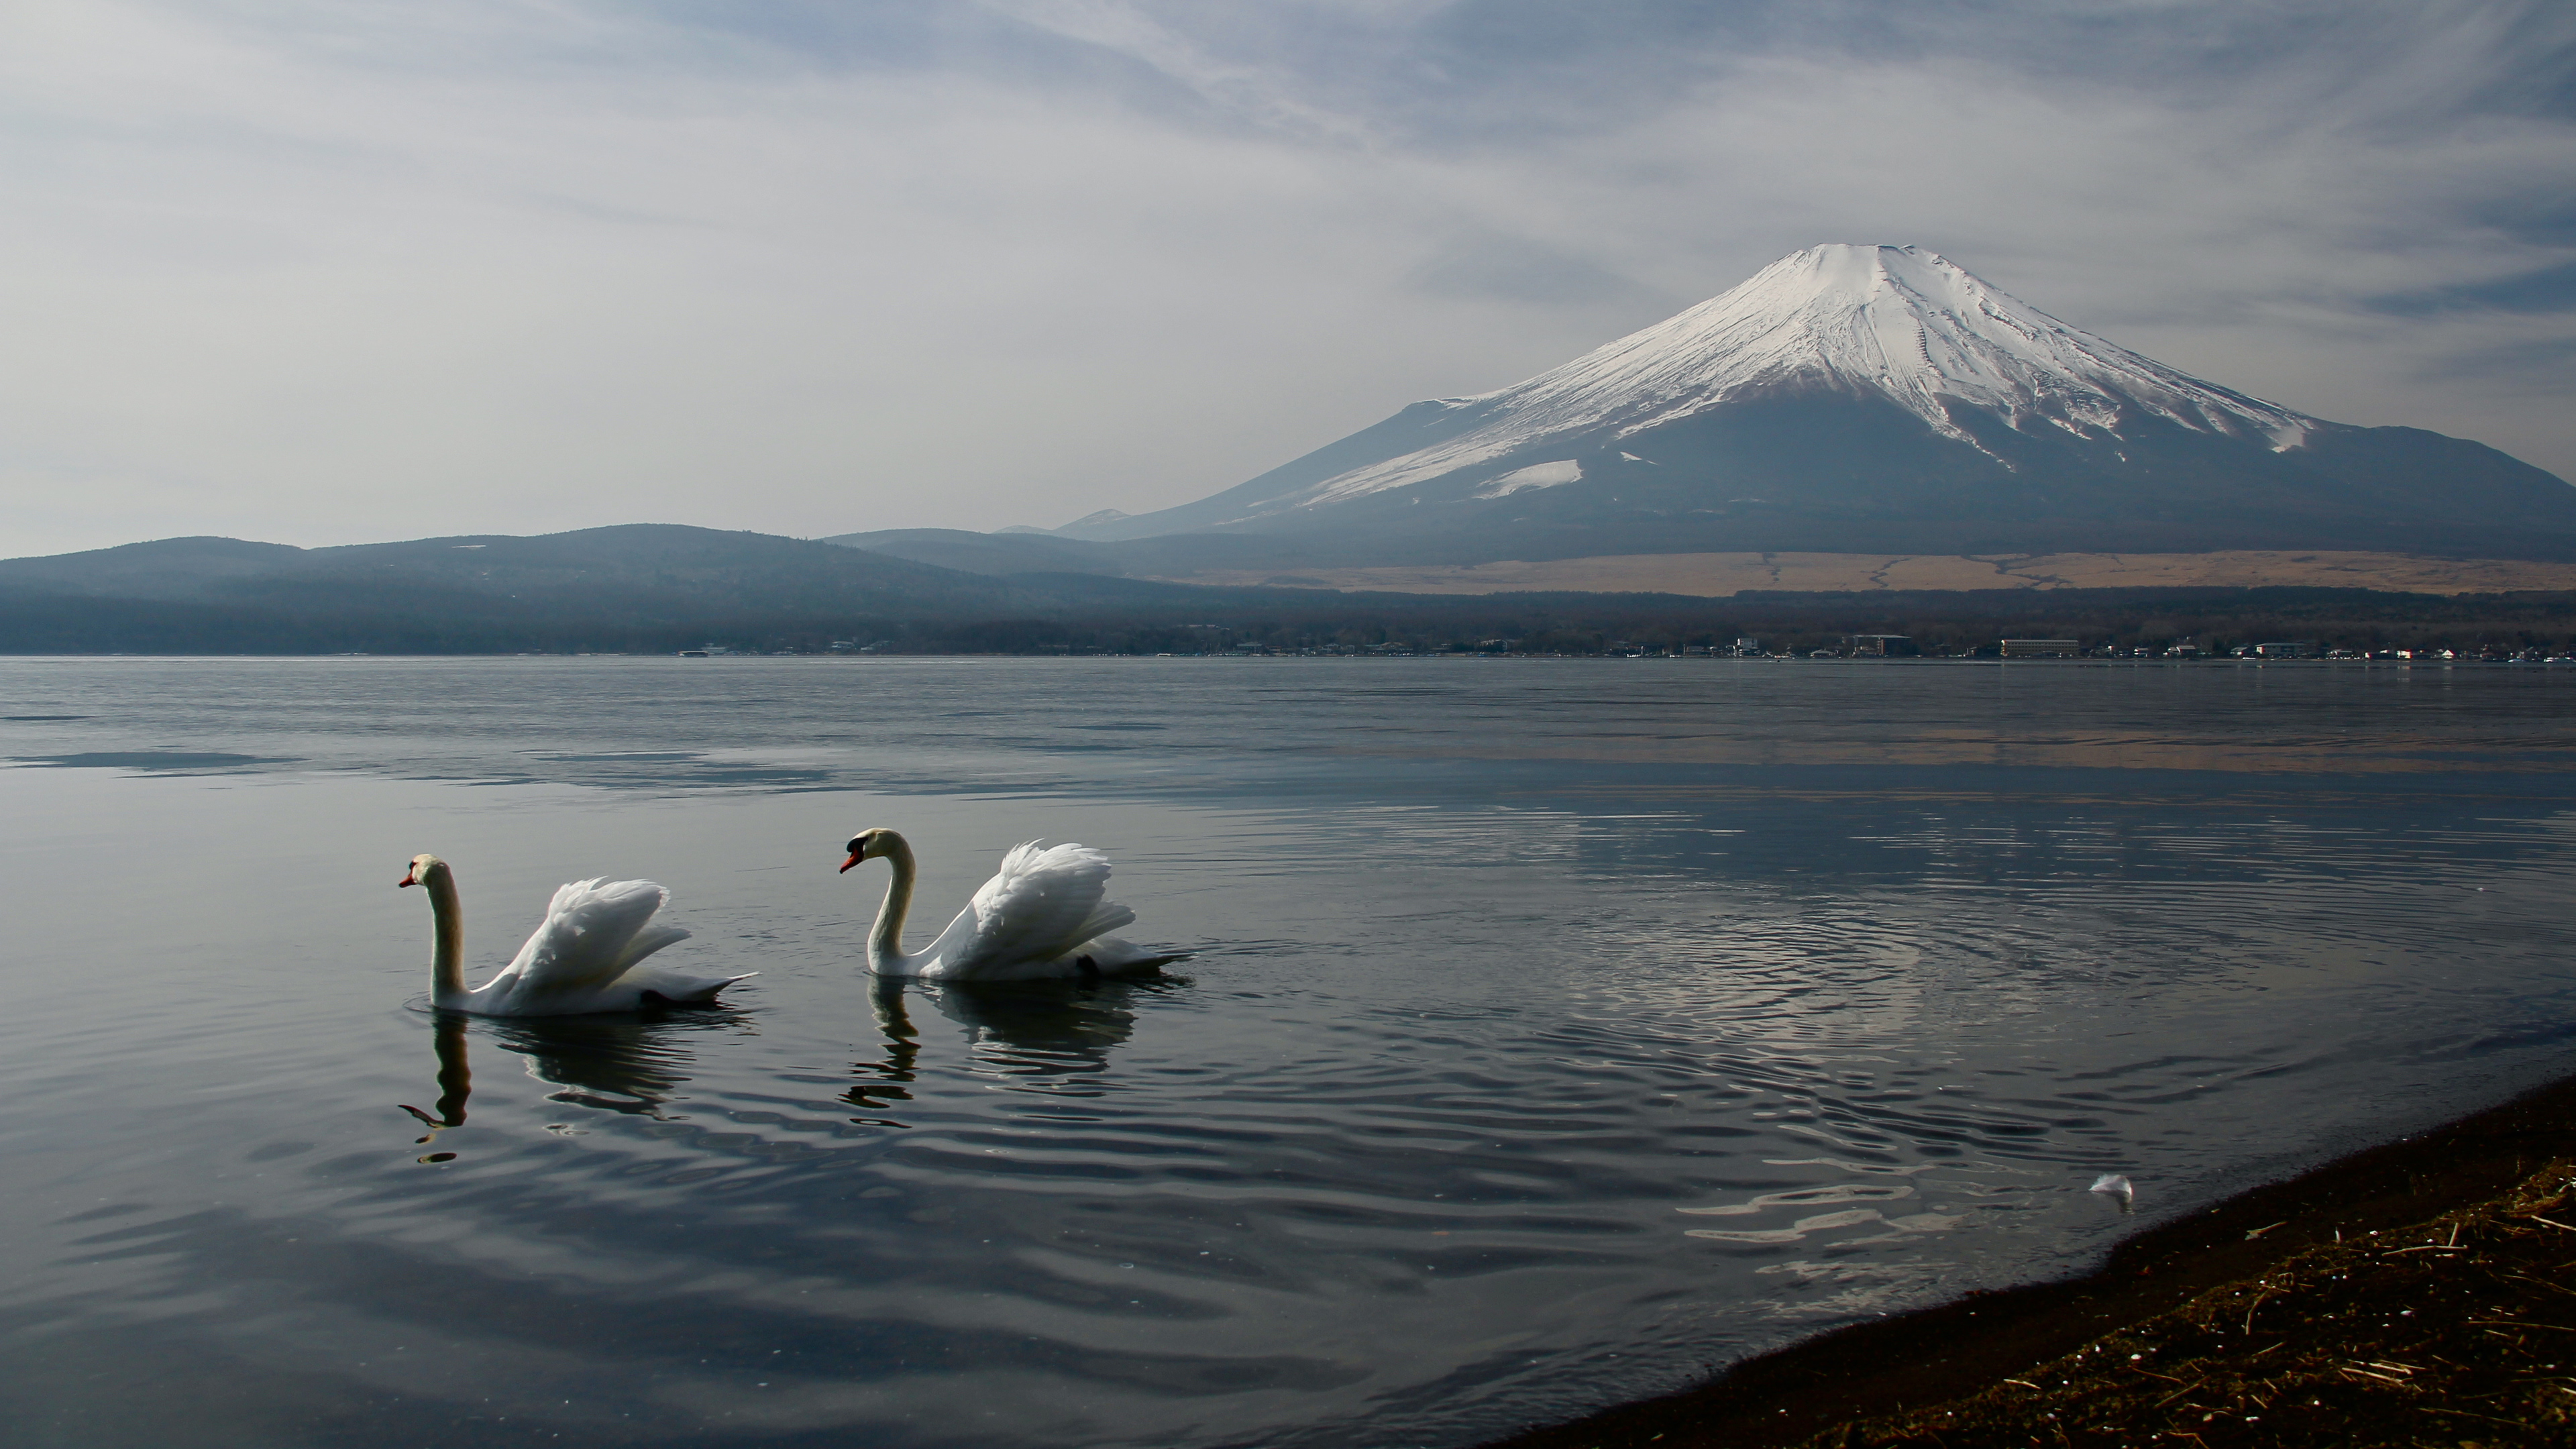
1940,623
1182,621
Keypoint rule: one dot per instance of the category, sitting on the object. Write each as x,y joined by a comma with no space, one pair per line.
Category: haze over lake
1558,1030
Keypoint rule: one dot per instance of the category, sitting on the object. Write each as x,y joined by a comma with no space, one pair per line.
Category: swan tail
1111,956
682,988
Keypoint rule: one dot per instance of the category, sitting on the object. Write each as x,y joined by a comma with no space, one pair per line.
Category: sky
343,272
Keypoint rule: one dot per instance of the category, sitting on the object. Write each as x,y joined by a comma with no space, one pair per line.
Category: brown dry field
1721,574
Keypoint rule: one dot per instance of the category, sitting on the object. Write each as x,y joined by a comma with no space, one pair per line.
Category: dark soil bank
2417,1293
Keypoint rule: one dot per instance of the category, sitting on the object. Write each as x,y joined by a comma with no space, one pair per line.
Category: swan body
1044,913
588,955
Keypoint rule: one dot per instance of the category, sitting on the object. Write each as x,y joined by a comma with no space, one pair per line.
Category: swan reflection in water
1049,1029
455,1084
627,1064
881,1083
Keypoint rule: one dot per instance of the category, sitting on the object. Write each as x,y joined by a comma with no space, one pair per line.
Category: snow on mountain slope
1895,320
1856,399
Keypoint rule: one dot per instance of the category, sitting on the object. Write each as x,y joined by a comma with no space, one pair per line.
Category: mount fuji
1861,399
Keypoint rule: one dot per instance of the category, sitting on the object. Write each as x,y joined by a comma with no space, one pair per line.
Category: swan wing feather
594,930
1045,900
654,936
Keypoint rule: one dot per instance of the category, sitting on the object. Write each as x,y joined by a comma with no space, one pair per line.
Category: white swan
586,957
1042,914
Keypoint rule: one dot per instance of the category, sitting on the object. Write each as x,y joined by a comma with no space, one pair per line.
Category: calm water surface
1558,1030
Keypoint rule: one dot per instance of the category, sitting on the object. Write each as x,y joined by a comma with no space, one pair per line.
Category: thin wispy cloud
324,273
1260,94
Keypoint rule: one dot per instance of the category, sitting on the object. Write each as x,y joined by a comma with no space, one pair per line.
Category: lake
1558,1030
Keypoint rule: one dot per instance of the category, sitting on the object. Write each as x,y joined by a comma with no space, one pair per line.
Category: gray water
1558,1030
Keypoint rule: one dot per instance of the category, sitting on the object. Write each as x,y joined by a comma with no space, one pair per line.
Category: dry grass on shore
2421,1292
2458,1331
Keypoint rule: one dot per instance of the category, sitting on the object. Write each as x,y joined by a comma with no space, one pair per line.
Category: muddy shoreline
2339,1295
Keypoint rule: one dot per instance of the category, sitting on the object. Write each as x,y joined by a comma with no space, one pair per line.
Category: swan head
421,866
867,845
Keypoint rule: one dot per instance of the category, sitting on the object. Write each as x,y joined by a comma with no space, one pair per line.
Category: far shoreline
2044,661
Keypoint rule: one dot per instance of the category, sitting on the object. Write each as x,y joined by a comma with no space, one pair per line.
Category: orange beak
406,880
854,859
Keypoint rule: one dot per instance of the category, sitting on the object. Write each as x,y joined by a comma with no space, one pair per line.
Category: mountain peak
1851,397
1860,270
1900,321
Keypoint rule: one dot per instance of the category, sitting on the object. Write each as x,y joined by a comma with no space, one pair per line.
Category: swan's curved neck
885,943
447,920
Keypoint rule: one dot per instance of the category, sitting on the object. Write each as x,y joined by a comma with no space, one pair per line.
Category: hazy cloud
1501,267
323,273
2550,289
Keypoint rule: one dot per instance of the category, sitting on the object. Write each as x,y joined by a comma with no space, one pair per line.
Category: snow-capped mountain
1900,322
1864,398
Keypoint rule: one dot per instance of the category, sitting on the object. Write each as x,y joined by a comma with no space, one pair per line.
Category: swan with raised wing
1044,913
588,955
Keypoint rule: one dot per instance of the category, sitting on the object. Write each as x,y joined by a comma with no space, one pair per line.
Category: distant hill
643,564
1857,399
653,588
1013,551
632,586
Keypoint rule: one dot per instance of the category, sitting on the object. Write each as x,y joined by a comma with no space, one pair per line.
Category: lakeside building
2289,649
2040,648
1881,646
